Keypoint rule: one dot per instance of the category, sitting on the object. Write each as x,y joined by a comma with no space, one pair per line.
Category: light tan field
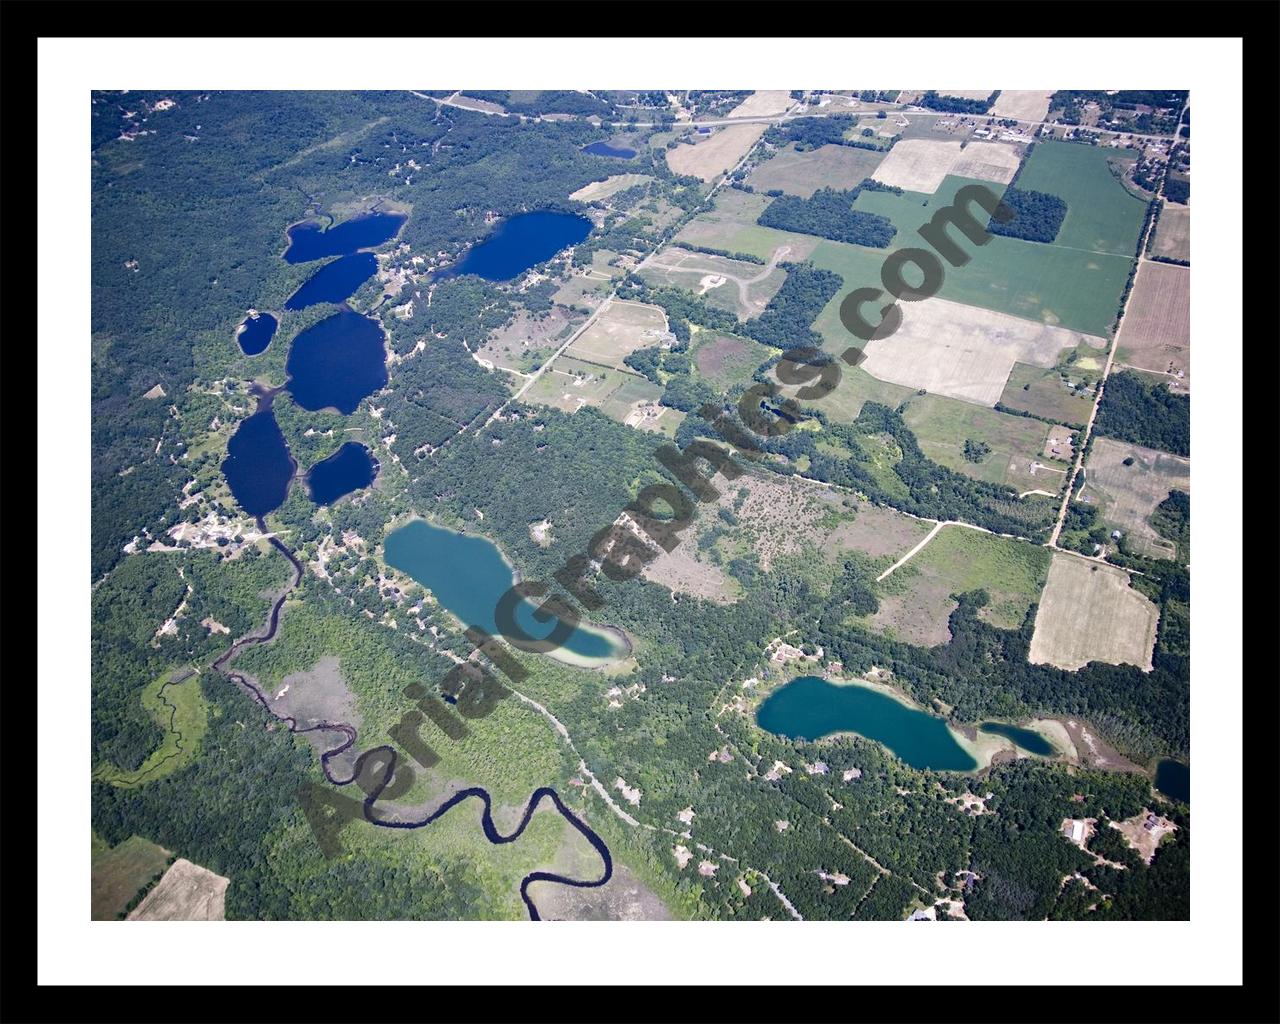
803,173
187,892
716,153
1156,331
620,329
1023,104
485,106
762,103
965,352
990,161
1088,612
610,186
919,165
1173,233
741,288
1127,495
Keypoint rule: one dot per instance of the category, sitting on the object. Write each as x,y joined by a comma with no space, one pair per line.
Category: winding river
386,756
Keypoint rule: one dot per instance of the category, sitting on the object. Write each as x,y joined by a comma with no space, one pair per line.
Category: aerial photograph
640,505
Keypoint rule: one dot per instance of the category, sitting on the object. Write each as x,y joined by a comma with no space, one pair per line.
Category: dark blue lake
337,362
1173,779
311,242
604,149
519,243
258,466
255,334
335,282
350,468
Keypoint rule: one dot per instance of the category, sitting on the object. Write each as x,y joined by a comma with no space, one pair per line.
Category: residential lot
1127,495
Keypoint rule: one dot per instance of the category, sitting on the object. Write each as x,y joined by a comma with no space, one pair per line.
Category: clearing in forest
916,600
1089,612
610,186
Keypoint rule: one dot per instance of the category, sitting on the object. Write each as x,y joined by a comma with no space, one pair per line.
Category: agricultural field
1173,233
803,173
915,599
921,165
618,331
715,153
1021,104
1049,284
1089,612
965,352
731,225
726,361
1017,443
1102,216
120,872
187,892
763,102
608,187
1044,393
524,343
1125,496
737,287
1156,332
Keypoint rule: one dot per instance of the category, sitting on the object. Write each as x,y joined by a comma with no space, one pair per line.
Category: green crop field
1102,216
1048,283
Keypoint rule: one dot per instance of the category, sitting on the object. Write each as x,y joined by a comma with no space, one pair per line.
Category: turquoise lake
1028,739
467,575
809,708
